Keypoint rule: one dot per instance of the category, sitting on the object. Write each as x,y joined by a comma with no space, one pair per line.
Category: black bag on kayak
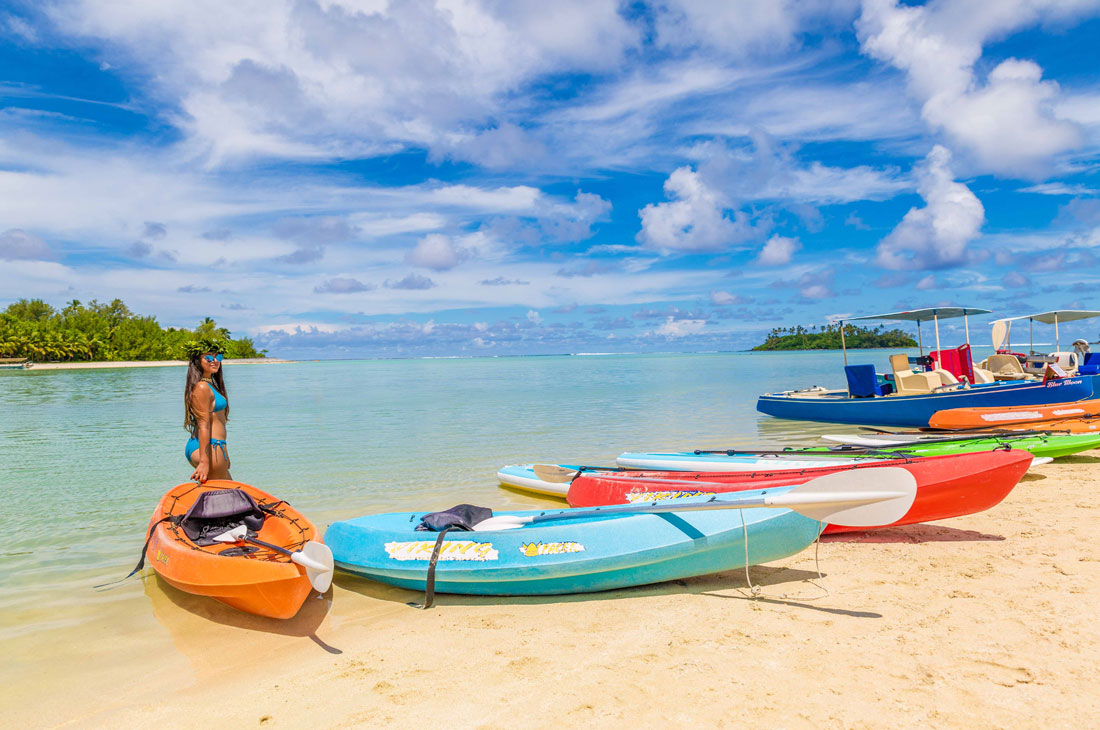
459,517
219,511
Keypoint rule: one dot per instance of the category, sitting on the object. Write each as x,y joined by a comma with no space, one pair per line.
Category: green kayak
1039,444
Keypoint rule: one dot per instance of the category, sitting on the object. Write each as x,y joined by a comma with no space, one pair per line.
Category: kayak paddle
314,556
561,474
855,498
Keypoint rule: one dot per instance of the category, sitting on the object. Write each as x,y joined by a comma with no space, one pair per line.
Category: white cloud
673,328
299,79
18,244
1059,188
725,299
695,220
738,27
438,252
928,282
1006,121
778,251
936,235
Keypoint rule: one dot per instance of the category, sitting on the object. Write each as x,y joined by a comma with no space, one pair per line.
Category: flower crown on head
198,347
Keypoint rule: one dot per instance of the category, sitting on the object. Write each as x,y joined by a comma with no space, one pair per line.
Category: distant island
32,329
828,338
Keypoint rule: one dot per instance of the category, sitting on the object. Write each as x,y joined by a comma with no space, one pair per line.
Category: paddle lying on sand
870,497
314,556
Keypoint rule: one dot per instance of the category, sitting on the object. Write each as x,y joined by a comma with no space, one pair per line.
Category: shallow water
85,454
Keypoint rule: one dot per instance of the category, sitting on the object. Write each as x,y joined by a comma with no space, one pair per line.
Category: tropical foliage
828,338
33,329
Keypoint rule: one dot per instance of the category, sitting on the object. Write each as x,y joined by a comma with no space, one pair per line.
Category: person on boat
206,410
1081,347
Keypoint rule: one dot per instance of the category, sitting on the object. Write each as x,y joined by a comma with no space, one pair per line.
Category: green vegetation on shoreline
33,329
828,338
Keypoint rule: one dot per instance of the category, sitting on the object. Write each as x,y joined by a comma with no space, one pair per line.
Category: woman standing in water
206,410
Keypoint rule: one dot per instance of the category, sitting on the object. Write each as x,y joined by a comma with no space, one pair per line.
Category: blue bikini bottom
215,444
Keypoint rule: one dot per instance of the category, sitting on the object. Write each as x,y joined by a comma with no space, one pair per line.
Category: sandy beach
985,621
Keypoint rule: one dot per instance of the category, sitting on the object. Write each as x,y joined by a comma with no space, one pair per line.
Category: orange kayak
1011,416
249,577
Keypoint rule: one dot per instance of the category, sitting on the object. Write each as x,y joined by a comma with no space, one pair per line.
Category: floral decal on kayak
661,496
533,549
451,550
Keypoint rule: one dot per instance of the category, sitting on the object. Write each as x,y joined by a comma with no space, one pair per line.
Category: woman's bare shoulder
202,392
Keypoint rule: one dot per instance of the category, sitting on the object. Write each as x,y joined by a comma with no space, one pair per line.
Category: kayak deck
575,556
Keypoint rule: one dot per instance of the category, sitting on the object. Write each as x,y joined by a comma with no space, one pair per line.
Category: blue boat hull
916,410
576,556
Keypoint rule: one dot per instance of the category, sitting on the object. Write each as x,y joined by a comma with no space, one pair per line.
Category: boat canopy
1052,317
932,313
920,315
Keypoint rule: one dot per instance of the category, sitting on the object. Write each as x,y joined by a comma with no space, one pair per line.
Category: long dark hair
194,375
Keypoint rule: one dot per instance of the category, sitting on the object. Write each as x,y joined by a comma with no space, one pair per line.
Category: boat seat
908,382
218,511
1091,365
863,382
981,375
1005,367
946,377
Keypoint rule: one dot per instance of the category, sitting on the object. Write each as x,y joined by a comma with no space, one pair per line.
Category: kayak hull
522,477
262,583
917,410
947,486
574,556
1030,416
741,461
1052,445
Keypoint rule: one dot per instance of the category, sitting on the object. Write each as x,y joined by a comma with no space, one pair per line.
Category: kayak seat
218,511
1091,365
863,383
907,382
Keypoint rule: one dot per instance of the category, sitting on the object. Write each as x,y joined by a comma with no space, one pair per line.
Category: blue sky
343,178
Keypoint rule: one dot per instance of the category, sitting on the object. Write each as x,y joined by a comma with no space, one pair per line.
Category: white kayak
721,461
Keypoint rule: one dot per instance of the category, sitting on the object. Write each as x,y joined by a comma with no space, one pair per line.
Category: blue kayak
586,554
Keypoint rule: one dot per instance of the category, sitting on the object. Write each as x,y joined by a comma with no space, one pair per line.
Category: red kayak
947,486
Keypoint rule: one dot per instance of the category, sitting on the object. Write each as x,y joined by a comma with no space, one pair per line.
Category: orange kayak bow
257,568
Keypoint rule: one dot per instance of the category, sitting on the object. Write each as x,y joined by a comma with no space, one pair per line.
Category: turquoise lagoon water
86,454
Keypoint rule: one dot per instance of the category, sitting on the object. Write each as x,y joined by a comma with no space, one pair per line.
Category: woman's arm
202,402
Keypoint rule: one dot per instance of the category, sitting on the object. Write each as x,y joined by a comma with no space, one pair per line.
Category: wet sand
986,621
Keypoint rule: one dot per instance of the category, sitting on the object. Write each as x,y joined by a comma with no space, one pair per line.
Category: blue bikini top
220,402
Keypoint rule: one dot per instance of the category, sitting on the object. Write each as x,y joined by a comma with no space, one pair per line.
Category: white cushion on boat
1066,360
982,376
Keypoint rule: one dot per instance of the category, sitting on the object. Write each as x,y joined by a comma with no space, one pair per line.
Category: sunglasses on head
212,358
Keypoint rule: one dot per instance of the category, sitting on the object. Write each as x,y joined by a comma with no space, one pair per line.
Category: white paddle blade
1040,460
501,522
1000,333
553,473
853,498
235,535
316,558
